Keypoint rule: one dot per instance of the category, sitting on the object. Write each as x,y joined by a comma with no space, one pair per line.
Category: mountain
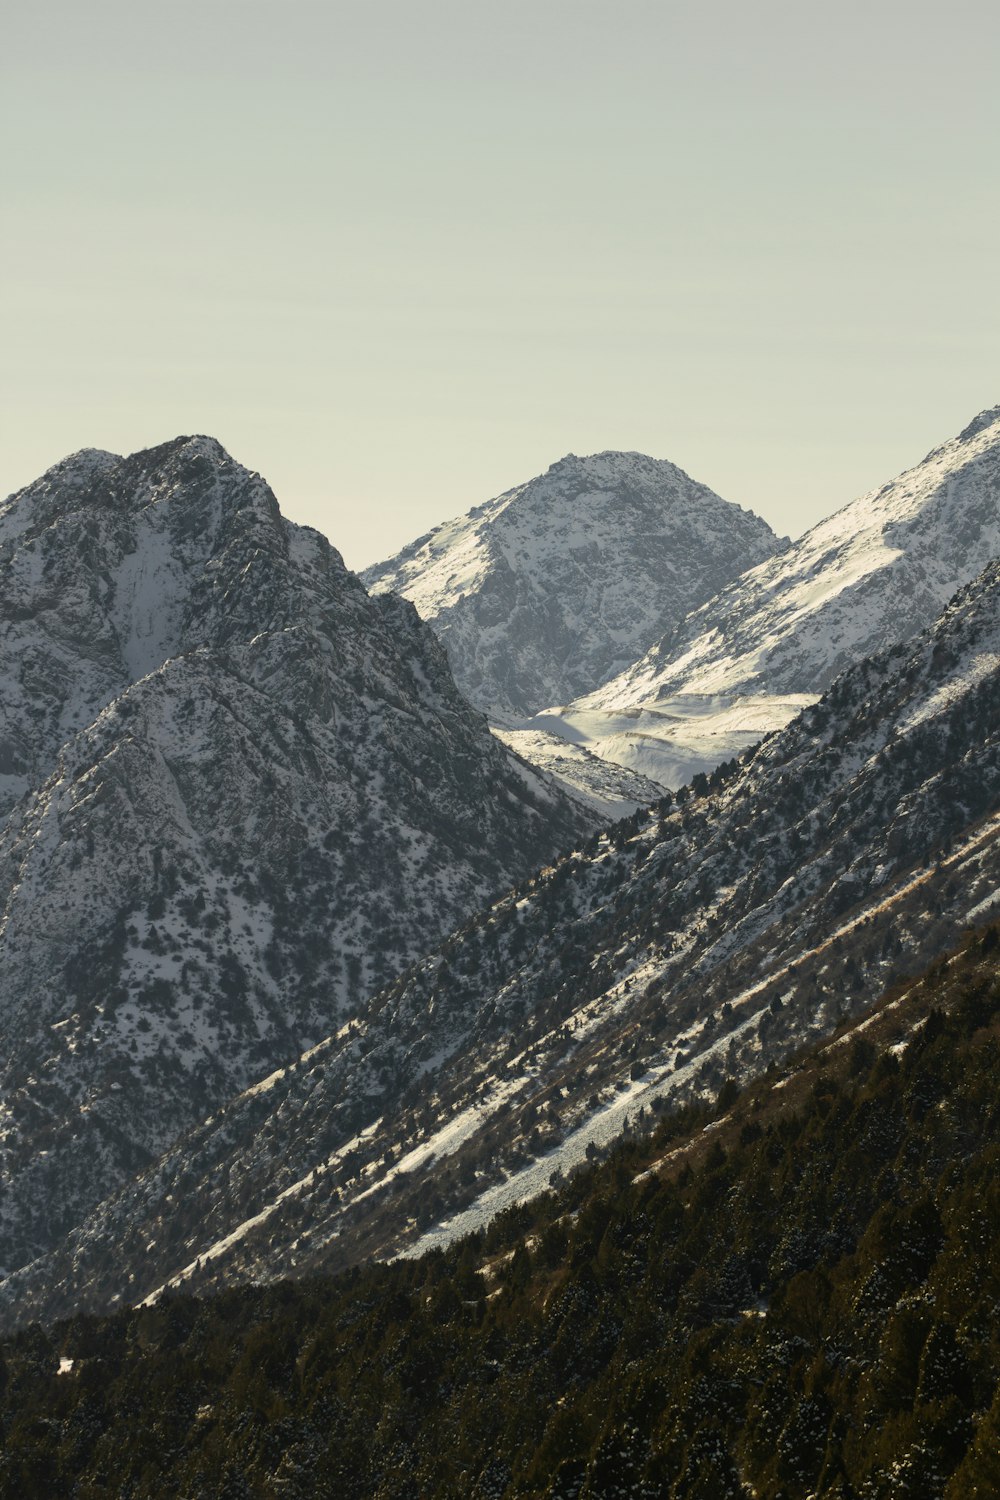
239,796
706,938
748,659
785,1292
556,585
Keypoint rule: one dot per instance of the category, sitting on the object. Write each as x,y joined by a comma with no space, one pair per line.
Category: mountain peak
87,464
564,580
114,565
583,460
188,455
979,424
607,462
869,575
79,469
189,445
101,475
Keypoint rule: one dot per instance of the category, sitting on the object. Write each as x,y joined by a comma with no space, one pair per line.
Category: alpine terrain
238,796
752,913
751,657
553,587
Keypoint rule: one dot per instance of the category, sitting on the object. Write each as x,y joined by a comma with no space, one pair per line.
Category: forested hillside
792,1294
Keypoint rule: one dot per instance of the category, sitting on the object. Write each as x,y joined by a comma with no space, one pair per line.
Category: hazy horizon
401,257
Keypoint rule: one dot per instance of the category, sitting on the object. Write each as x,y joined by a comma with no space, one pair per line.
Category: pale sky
399,256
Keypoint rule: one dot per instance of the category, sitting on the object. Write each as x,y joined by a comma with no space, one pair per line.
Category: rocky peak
561,581
116,565
979,424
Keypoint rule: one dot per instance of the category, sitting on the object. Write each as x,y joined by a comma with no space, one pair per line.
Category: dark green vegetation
799,1299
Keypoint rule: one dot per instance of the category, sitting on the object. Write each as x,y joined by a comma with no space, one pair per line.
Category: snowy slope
705,938
554,586
247,795
668,742
612,789
874,573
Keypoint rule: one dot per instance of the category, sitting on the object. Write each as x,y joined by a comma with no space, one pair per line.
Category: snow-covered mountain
239,795
553,587
702,939
748,660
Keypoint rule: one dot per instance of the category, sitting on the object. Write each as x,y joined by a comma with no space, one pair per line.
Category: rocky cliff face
554,586
238,795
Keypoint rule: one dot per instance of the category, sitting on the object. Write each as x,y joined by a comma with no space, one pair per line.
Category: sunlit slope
746,661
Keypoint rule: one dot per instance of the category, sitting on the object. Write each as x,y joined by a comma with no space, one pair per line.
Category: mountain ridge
699,940
875,572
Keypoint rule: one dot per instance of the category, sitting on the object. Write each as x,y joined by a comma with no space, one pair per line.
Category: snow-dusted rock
554,586
689,943
239,796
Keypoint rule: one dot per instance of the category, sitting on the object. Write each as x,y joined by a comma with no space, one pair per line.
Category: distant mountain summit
773,639
237,796
556,585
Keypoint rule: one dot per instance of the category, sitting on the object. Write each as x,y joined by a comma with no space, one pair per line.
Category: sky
399,255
